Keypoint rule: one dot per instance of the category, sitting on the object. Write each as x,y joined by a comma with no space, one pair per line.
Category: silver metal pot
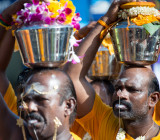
43,45
134,45
104,66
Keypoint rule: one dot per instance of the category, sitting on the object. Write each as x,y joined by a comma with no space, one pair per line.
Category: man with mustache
48,104
40,123
31,92
136,95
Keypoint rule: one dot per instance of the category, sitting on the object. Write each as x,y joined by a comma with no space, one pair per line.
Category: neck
144,127
64,135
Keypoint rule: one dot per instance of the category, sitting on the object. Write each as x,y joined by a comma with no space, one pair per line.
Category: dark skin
102,90
132,89
89,47
7,43
86,94
46,106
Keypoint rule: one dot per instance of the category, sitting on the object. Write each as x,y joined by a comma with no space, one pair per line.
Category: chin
123,115
41,134
36,129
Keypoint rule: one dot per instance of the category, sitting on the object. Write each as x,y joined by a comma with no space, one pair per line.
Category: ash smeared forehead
36,86
122,80
40,88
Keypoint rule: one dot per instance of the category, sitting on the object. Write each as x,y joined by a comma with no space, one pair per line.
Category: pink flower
76,18
76,59
19,13
61,19
76,26
38,10
65,5
77,14
74,62
35,17
47,20
25,14
27,5
53,20
33,13
46,10
76,44
35,2
68,11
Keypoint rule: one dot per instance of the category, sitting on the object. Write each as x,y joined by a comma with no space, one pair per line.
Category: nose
122,94
32,106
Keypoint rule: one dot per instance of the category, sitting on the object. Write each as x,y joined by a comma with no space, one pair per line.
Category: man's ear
153,99
70,106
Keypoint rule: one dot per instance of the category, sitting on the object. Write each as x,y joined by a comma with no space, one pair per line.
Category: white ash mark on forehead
54,82
36,86
123,80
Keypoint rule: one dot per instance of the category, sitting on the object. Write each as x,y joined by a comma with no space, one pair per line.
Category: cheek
55,111
139,99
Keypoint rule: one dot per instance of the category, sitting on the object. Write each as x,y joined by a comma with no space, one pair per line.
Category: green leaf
151,28
156,23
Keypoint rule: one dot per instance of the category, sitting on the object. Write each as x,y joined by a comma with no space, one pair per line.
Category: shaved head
136,93
143,74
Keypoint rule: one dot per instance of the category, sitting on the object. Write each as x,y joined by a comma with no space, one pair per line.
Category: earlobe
70,106
153,99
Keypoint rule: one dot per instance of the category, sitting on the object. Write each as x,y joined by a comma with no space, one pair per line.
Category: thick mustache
122,102
35,116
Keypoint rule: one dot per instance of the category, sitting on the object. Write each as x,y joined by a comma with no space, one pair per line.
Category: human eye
26,99
40,99
132,89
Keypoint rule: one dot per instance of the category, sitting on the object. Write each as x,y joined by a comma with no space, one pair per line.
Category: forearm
77,72
6,50
7,42
2,33
88,48
6,39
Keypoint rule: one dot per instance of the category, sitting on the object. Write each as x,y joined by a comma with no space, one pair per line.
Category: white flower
121,135
135,11
72,57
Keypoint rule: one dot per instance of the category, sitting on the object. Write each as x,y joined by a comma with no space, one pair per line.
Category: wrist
106,19
11,10
6,17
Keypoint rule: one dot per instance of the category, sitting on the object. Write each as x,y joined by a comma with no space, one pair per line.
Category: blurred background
90,10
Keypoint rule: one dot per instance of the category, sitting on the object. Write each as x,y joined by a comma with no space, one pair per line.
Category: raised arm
88,48
7,43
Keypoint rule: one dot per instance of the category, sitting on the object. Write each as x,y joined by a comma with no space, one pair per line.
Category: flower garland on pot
142,14
53,13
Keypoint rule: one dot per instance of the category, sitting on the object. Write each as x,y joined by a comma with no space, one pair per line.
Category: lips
34,120
120,107
33,123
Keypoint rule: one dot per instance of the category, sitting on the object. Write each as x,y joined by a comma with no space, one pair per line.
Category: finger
120,2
